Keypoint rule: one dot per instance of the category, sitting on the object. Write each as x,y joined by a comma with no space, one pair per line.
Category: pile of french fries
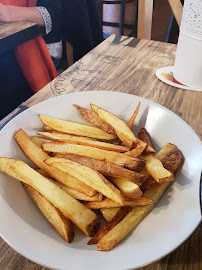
101,166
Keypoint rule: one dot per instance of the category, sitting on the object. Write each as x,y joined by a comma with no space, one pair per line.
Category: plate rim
104,91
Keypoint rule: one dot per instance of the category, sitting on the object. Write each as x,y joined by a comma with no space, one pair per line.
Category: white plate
172,221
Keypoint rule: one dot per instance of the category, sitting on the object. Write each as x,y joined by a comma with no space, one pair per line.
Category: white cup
188,61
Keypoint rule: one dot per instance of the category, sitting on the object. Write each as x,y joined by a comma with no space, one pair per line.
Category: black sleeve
54,7
81,25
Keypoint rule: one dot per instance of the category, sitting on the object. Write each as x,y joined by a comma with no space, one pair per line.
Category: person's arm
13,13
54,8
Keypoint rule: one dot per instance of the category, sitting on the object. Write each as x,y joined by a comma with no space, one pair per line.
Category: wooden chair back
177,9
70,54
145,12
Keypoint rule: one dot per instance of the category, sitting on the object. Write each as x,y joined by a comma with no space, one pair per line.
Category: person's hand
4,13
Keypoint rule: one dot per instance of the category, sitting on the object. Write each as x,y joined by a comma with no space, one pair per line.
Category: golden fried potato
133,117
61,224
109,213
174,158
38,141
137,151
95,153
157,171
88,176
94,120
74,193
108,203
116,219
81,216
122,130
37,155
144,136
75,129
67,138
127,187
105,168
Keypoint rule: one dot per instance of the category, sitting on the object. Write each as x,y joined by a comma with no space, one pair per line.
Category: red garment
33,56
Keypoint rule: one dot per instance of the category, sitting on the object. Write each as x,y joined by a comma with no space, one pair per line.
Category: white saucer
171,81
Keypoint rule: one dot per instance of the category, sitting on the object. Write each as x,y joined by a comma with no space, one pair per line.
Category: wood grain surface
15,33
7,29
125,65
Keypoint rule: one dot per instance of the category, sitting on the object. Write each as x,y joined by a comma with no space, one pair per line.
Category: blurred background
164,25
162,16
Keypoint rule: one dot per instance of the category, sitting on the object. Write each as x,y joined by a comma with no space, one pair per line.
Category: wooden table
125,65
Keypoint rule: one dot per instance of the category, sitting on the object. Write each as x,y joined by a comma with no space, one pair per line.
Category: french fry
133,117
157,171
88,176
137,151
145,173
74,193
103,167
37,155
169,161
75,129
108,203
116,219
77,136
141,144
144,136
109,213
47,128
81,216
148,183
95,153
122,130
61,136
164,153
94,120
66,138
5,167
38,141
127,187
149,180
61,224
42,172
137,214
171,156
148,149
